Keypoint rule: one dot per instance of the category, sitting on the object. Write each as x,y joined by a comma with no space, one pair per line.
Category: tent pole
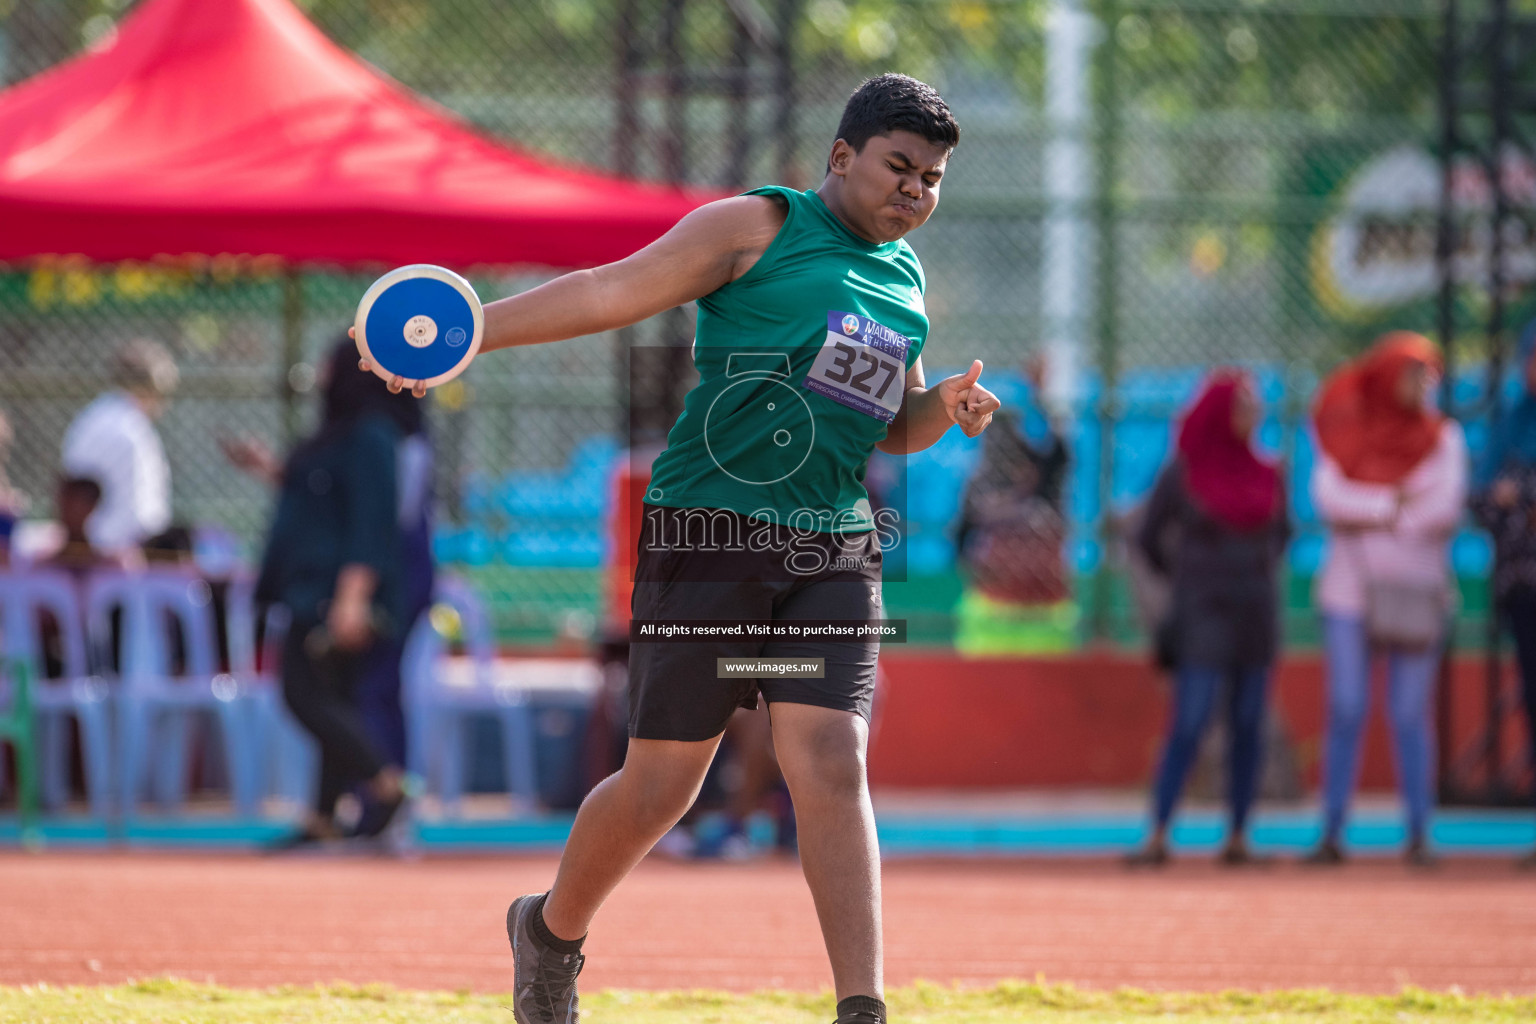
293,352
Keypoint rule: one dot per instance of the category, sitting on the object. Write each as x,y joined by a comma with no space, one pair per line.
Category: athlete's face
891,186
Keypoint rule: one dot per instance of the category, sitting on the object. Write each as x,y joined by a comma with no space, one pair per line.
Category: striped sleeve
1345,502
1438,491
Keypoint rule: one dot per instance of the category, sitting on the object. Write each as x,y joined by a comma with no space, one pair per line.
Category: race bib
862,364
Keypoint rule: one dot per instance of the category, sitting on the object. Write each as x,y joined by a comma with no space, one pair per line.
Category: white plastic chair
155,704
77,692
438,704
287,759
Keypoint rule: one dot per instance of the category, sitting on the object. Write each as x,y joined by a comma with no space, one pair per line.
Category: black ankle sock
547,938
869,1006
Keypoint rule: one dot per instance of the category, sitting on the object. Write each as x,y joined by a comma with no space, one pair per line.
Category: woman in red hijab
1390,483
1216,526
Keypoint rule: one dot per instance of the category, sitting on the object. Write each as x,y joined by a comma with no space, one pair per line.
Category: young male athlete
810,326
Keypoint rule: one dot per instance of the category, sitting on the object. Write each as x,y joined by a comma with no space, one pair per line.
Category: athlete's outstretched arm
699,254
927,412
708,248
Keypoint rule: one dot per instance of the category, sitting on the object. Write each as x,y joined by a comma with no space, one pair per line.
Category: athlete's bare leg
619,822
822,754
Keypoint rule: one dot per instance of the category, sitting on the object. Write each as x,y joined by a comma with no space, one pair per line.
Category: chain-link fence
1143,188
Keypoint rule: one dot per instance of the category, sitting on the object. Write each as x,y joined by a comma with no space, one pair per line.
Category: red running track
248,921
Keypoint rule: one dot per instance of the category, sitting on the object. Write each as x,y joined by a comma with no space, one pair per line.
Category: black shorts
715,564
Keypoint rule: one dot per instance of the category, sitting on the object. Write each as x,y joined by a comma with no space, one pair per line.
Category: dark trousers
378,691
319,688
1520,613
378,698
1195,689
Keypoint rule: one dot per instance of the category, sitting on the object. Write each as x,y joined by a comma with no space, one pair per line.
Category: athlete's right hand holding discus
810,330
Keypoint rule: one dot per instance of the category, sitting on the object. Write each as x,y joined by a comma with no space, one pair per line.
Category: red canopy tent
236,126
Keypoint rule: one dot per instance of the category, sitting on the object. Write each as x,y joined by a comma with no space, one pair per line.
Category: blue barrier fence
556,518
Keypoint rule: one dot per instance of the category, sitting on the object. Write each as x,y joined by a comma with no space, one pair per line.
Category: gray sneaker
543,981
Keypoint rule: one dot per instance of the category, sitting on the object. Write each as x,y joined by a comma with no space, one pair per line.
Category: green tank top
802,366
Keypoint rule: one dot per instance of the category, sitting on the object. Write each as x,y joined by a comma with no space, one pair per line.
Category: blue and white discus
421,322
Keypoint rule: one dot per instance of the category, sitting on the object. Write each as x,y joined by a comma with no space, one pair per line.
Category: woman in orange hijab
1372,415
1390,483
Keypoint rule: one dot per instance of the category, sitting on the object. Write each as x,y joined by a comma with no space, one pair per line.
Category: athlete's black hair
896,103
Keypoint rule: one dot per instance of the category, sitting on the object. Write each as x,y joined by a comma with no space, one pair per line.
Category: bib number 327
862,364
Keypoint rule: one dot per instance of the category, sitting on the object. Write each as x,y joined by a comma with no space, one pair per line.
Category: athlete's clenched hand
968,403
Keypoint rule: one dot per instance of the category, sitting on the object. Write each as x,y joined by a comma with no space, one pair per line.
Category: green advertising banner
1372,260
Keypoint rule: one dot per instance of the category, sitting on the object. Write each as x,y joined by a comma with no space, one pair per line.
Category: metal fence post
293,351
1106,320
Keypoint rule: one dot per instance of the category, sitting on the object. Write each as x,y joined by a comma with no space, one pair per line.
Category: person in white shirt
113,441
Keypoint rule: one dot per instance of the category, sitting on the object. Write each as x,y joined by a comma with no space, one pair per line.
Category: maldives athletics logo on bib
862,364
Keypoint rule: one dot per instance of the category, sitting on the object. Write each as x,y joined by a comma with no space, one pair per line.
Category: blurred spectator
741,810
77,500
333,559
1390,483
113,441
1011,537
760,806
12,505
378,689
1505,504
1216,528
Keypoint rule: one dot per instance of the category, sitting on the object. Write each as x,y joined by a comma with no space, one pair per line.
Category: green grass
169,1001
